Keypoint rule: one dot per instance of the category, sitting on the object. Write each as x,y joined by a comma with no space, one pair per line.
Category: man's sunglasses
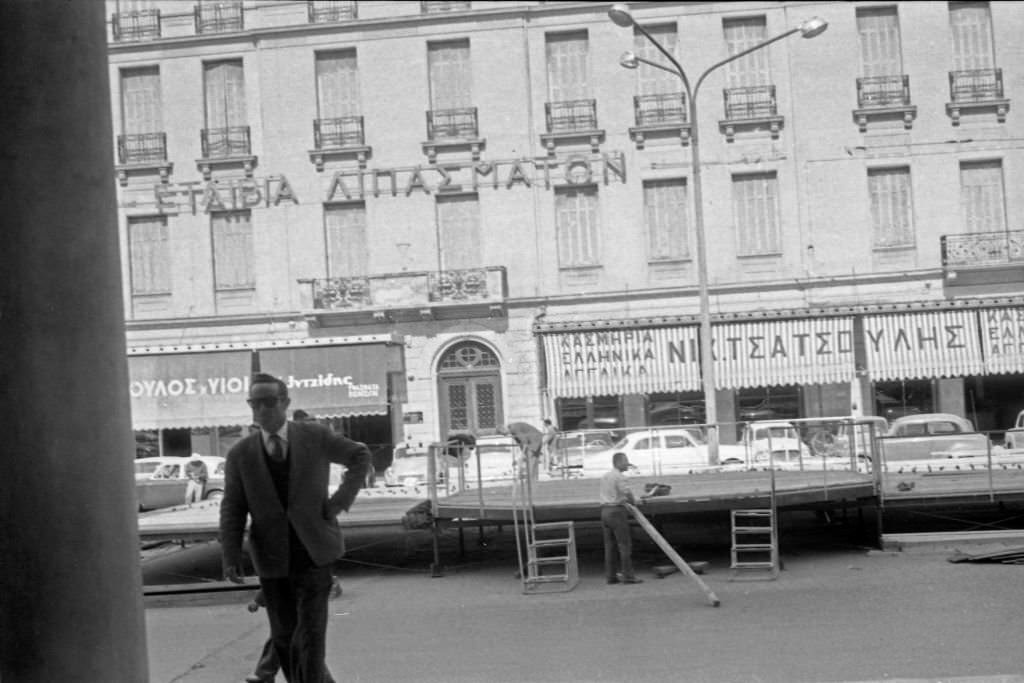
266,402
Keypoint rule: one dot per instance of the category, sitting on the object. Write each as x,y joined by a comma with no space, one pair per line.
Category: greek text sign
922,345
1002,336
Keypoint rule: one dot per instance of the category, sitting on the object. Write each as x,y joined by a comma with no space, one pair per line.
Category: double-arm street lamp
619,13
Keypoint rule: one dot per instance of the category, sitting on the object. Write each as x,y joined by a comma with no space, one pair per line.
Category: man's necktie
275,448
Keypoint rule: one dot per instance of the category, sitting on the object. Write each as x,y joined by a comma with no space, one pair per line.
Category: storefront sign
922,345
197,197
1002,337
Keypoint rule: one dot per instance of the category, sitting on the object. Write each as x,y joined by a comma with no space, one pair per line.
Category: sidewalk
843,614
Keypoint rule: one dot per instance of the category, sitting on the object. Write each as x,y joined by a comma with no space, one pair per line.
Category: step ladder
755,544
550,564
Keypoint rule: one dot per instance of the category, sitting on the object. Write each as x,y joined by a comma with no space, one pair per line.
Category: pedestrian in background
618,542
548,440
197,474
531,443
278,478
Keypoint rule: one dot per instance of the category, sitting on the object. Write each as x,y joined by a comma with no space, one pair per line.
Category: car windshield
780,432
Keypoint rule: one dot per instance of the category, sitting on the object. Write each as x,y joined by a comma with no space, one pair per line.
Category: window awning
335,381
779,352
189,389
1002,338
626,361
922,345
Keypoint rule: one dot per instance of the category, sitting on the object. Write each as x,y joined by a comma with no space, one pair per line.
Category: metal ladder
550,565
755,544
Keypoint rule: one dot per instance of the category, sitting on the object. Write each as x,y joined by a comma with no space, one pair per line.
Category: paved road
837,613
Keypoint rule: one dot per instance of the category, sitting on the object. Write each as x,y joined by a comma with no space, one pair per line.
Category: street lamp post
621,16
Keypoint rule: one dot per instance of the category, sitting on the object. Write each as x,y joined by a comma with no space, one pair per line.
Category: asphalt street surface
839,611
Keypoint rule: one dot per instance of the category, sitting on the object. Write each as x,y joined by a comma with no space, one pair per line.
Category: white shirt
282,433
615,489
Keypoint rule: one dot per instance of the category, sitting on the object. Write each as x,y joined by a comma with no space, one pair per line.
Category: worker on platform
618,543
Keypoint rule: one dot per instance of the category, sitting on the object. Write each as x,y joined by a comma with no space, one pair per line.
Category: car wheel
214,495
733,461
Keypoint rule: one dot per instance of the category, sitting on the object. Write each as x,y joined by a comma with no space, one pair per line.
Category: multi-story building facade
438,217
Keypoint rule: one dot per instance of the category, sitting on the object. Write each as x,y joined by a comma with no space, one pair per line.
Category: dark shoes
621,578
253,678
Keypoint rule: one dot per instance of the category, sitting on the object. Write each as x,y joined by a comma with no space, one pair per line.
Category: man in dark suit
278,476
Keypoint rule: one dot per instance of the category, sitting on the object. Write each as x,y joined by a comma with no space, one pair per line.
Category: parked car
1014,437
569,448
165,486
660,450
494,453
849,436
930,437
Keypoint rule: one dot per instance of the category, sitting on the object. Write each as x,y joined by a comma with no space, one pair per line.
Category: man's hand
233,574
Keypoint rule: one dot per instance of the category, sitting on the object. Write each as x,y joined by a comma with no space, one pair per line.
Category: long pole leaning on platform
677,560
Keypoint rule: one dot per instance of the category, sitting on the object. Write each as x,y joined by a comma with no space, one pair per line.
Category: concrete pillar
949,396
725,401
70,581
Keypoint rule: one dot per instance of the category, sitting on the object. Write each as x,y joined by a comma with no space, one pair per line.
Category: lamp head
629,60
619,13
812,27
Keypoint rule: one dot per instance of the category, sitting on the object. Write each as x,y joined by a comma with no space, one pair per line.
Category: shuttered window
982,196
970,26
752,69
458,224
232,250
450,75
149,246
655,81
666,216
337,84
879,32
225,94
576,225
568,74
348,251
140,101
891,207
756,213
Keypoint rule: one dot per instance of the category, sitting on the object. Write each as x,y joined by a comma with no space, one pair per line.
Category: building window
971,32
325,11
232,250
891,207
576,227
666,216
880,52
458,228
655,81
226,131
982,196
450,75
141,118
150,249
435,6
337,84
568,74
755,201
751,70
348,251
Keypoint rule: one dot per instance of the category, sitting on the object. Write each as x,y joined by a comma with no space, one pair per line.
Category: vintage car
654,451
165,485
927,438
495,455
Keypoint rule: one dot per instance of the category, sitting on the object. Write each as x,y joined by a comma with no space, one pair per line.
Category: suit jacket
249,492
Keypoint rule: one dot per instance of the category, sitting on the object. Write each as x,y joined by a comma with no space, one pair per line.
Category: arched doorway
469,385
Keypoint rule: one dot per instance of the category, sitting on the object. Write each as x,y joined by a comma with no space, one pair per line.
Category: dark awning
335,381
189,389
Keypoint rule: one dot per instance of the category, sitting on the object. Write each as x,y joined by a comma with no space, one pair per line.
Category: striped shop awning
922,345
779,352
624,361
1002,339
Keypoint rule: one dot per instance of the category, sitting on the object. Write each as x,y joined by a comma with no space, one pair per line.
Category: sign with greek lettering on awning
922,345
780,352
1002,338
613,362
335,381
181,390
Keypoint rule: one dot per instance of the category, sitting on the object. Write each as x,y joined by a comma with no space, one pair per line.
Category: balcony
436,6
339,137
225,148
571,121
408,296
984,262
330,11
660,114
134,26
976,91
219,17
452,129
750,108
142,153
882,98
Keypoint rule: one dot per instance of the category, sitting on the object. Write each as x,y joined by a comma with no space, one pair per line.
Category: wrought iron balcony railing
976,85
983,248
571,116
338,133
226,142
452,123
750,102
660,108
883,91
219,17
413,290
137,25
328,11
432,6
135,148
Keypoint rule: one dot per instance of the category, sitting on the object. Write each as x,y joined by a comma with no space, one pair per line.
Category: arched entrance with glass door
469,386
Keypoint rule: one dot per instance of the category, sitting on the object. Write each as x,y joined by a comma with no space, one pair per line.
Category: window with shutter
752,69
225,94
756,213
232,250
666,216
576,227
982,196
458,223
348,251
891,207
879,33
450,75
150,255
656,81
971,33
140,101
337,84
568,75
